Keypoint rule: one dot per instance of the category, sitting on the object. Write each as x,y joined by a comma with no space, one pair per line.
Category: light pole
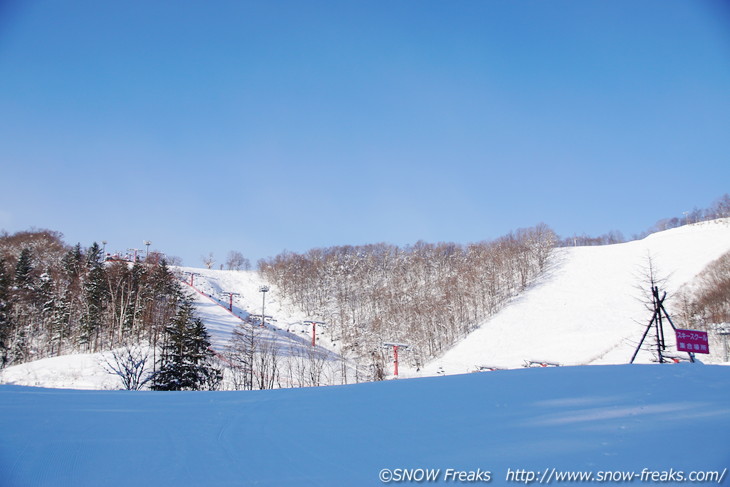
147,244
103,249
263,290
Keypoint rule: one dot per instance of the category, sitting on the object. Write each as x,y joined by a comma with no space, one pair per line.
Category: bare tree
266,362
236,261
174,260
650,277
209,260
428,294
706,300
130,365
240,354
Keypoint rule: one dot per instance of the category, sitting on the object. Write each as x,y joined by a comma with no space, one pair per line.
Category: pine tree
96,298
93,255
72,262
24,270
186,362
5,322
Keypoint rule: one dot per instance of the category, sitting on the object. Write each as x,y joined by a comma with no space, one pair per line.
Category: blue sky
263,126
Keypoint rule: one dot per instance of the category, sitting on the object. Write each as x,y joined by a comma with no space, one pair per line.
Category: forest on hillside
57,299
425,295
704,303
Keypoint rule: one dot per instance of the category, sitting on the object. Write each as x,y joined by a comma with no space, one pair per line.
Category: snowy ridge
587,308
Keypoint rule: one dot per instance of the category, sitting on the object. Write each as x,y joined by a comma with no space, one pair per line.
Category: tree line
705,302
56,299
719,209
425,295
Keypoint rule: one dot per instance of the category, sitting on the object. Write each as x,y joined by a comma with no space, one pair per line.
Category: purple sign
692,341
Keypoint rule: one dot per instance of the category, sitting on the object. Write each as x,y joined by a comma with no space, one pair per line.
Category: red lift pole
314,329
396,346
192,275
135,254
395,360
230,299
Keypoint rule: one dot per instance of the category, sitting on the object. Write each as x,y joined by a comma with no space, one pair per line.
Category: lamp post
147,244
263,290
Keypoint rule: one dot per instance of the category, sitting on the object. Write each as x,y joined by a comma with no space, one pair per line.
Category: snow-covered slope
212,286
634,420
80,371
284,329
587,309
214,283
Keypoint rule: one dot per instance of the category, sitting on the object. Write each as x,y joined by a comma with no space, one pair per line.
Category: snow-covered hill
212,286
624,423
514,426
587,309
285,329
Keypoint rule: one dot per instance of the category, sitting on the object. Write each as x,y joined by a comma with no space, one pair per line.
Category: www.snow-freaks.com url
550,476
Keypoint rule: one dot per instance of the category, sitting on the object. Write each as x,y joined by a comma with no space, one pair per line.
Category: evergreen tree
71,263
96,296
20,350
24,270
93,255
57,299
54,312
186,362
5,322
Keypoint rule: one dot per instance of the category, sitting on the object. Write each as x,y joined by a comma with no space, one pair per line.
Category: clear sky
263,126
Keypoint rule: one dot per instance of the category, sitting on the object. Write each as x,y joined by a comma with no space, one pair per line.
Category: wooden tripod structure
658,323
